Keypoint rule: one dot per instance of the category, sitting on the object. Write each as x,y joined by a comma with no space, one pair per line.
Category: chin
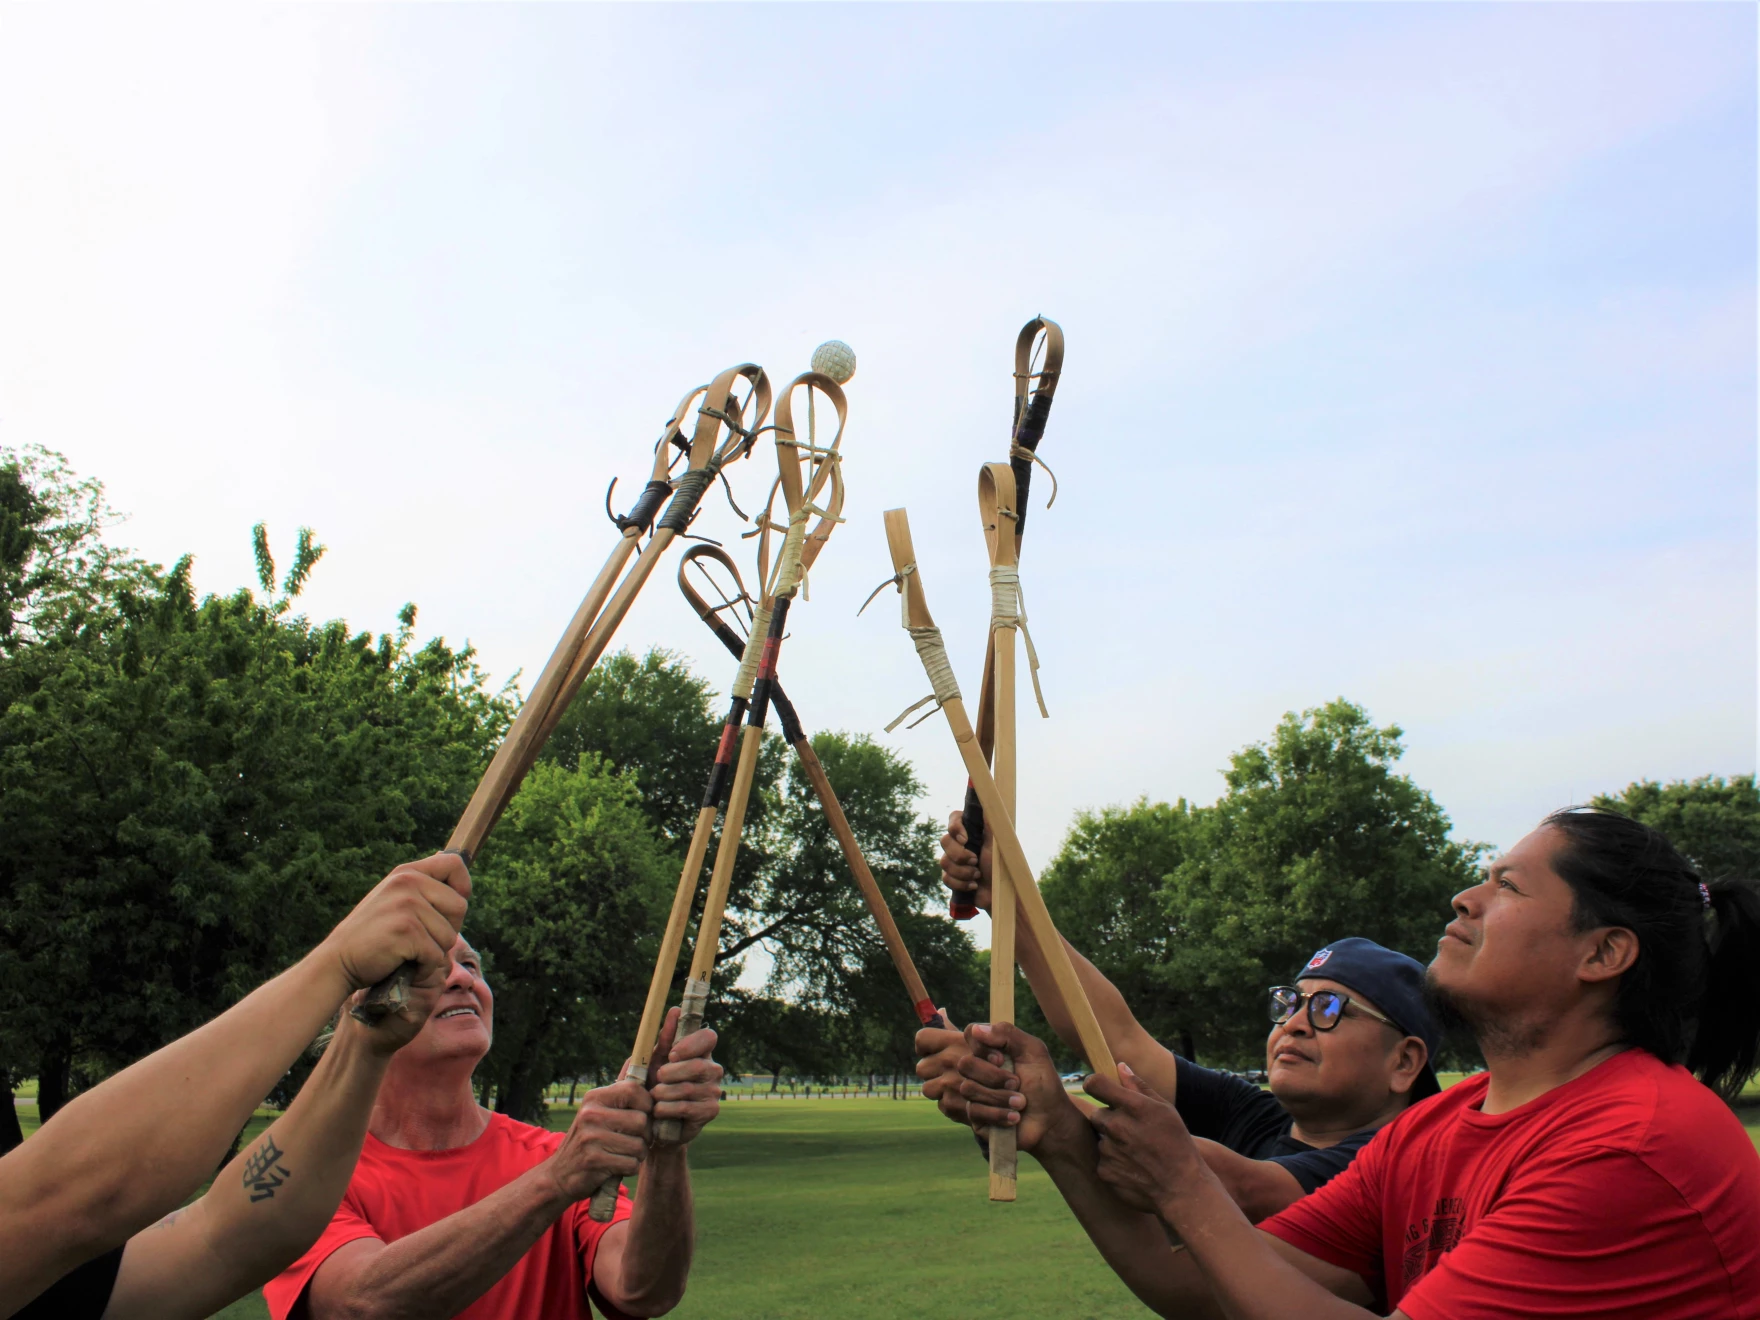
1286,1086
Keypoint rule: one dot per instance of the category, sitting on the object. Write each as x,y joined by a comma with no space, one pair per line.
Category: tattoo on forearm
264,1172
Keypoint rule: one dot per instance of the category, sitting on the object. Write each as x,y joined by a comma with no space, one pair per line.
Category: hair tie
1705,895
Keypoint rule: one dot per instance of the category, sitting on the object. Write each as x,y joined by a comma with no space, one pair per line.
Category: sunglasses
1325,1007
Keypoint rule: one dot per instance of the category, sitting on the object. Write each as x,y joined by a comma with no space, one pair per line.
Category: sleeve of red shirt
1600,1233
587,1232
348,1224
1341,1222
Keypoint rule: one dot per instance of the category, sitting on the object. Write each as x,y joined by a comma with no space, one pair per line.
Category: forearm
1130,1043
1134,1244
128,1151
267,1206
448,1265
1246,1273
647,1277
1259,1187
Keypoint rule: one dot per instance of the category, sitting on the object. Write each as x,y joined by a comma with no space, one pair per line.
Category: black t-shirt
1250,1122
80,1294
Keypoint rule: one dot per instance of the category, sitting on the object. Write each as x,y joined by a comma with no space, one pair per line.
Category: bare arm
644,1271
127,1152
1146,1158
271,1203
442,1269
1129,1041
1259,1187
641,1268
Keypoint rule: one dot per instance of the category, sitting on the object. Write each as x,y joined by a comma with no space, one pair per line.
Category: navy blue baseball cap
1392,982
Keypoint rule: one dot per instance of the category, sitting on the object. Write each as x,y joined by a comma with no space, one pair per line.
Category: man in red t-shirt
1587,1174
457,1211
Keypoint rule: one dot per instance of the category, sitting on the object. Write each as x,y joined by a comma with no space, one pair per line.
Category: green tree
193,792
801,900
55,567
766,1034
569,896
1108,884
875,1022
1714,821
1194,911
651,719
1316,838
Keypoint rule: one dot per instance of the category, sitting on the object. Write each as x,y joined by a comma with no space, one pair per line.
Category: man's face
1511,949
463,1020
1353,1060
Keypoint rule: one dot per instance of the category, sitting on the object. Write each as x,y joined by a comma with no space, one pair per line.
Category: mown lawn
870,1209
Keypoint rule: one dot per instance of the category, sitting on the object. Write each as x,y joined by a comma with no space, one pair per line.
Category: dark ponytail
1724,1048
1693,995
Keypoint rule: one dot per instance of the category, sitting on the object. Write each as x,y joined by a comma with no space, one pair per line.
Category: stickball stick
751,691
933,652
592,626
796,737
998,509
1031,411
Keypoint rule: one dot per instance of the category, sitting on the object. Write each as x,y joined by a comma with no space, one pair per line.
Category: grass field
854,1209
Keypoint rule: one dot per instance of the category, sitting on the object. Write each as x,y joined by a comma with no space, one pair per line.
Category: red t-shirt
1631,1191
397,1192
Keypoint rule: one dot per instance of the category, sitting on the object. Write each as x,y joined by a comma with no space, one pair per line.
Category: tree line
194,790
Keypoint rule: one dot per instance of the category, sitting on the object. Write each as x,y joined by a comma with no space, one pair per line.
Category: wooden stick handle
666,960
1032,904
796,737
876,901
491,799
1006,842
696,987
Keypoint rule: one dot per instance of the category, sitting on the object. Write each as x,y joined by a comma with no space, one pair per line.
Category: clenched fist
687,1086
411,916
607,1140
964,871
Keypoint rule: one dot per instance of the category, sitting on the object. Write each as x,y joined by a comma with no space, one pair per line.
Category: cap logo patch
1319,959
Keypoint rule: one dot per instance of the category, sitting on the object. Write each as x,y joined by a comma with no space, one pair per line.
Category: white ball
835,359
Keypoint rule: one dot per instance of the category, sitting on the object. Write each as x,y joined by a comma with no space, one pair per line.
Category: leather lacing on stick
930,649
1026,455
817,456
1008,609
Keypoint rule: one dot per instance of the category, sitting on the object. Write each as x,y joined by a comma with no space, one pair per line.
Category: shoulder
1684,1129
1641,1104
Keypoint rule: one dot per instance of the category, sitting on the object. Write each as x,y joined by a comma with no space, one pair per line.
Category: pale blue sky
1411,347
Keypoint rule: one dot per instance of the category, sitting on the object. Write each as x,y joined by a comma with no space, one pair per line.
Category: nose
1301,1024
458,977
1465,903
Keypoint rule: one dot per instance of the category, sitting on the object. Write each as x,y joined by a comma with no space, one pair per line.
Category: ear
1409,1058
1612,954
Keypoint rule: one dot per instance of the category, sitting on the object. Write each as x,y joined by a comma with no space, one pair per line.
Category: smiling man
1588,1173
458,1211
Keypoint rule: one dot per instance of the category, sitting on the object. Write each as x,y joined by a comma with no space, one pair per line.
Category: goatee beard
1460,1018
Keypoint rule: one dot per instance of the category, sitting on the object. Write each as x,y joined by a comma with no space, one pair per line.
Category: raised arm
442,1269
270,1203
642,1267
127,1152
1148,1160
1051,1127
1127,1037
